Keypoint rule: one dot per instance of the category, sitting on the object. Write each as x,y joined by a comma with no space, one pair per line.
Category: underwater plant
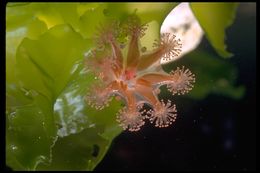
134,75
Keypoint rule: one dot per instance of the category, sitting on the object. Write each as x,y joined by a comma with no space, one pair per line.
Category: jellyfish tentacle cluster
131,76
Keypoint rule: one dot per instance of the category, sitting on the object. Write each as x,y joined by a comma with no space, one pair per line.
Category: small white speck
14,147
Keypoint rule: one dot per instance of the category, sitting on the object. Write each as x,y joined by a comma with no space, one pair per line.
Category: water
215,133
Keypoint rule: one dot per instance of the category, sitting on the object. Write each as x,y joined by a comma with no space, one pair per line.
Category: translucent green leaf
18,15
77,151
30,128
22,104
31,29
73,117
146,11
215,18
43,70
46,65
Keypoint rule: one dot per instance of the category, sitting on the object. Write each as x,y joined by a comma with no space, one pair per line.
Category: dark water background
217,133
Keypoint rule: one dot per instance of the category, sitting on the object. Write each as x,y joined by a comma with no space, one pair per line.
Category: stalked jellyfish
135,78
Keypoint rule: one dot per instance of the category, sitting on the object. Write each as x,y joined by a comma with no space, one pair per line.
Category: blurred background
215,131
